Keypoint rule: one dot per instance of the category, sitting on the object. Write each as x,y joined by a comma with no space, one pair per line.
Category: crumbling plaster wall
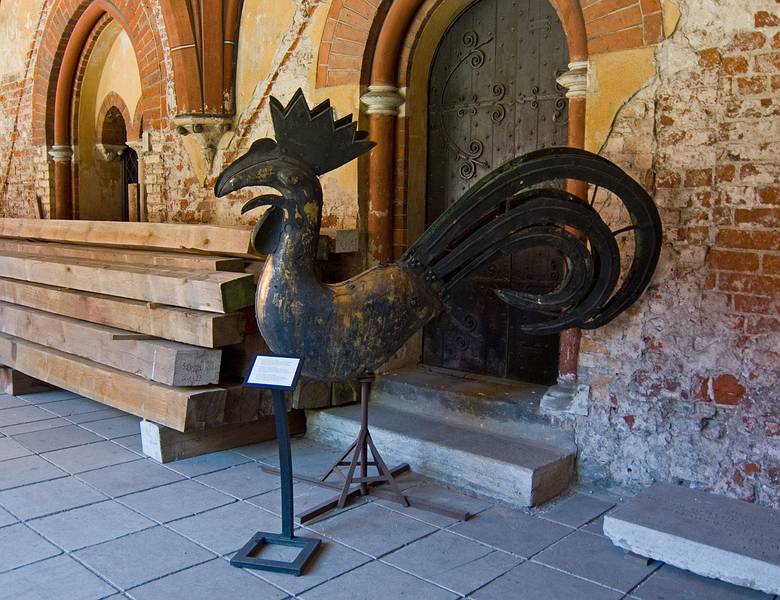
686,385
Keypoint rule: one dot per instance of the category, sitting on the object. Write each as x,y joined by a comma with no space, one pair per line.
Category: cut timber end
220,292
211,239
163,361
209,330
178,408
165,445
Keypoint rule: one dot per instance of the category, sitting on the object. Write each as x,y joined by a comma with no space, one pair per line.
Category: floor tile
226,529
377,581
74,406
93,456
99,415
52,423
308,458
115,427
668,583
597,559
442,496
595,527
6,518
23,414
210,581
261,450
130,477
512,530
19,545
7,401
305,496
47,397
26,470
90,525
577,510
49,497
536,582
208,463
60,577
141,557
331,559
373,529
452,561
10,448
243,481
131,442
56,439
176,500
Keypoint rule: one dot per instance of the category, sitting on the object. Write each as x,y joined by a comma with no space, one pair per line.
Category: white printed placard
274,372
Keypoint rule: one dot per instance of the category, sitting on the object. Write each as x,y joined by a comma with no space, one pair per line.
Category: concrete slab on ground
704,533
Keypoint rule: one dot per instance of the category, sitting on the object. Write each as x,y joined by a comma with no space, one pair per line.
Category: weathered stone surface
704,533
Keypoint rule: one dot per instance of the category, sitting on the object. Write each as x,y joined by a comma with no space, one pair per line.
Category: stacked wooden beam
134,315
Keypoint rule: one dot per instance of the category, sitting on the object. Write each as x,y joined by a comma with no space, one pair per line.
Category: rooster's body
345,330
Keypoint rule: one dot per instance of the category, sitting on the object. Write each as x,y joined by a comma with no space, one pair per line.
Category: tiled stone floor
83,516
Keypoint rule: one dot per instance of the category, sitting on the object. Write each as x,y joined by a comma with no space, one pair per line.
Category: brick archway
67,33
115,101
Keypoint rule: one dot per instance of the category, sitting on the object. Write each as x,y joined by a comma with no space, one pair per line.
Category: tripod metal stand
357,481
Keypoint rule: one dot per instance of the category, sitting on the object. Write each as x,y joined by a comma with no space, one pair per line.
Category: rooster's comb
314,137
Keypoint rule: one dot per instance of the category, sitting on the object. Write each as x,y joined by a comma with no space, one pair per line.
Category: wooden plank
198,262
209,330
163,361
212,292
181,409
16,383
165,445
211,239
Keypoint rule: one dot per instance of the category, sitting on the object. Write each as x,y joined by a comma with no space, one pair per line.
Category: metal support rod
365,389
285,462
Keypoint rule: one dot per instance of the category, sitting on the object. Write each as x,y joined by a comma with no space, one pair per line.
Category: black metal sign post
279,374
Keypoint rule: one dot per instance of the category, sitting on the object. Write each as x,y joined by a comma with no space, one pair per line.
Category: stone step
481,403
511,469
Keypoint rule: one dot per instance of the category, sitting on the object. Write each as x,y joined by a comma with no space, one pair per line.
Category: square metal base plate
244,559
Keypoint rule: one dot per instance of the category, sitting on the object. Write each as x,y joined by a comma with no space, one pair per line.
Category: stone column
63,193
567,397
383,103
139,146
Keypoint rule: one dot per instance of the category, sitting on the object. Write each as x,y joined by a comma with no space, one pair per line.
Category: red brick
752,40
654,29
698,178
752,85
733,261
650,6
735,65
756,240
770,264
710,57
725,173
727,390
621,40
764,217
776,40
768,62
751,468
766,19
616,21
630,420
769,195
756,305
759,285
756,325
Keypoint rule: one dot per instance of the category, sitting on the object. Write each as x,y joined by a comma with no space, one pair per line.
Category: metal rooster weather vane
346,330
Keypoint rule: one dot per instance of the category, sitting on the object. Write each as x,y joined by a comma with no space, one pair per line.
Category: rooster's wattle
347,329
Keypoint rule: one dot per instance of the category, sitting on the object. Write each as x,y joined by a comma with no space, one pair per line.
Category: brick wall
687,385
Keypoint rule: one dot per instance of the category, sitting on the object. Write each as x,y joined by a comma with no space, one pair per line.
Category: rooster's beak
251,169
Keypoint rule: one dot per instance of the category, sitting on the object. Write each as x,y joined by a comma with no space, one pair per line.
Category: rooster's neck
297,248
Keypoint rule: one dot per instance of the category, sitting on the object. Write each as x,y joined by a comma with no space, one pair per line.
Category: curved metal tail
508,210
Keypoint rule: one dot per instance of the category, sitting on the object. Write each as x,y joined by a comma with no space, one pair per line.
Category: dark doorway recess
493,96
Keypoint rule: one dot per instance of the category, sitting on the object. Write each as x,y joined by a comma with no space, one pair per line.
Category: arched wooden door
493,96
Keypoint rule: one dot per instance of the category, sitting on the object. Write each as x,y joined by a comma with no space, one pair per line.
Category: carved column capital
575,80
61,153
202,135
382,99
109,152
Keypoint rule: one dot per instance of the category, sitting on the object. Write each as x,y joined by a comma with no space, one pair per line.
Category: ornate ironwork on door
493,96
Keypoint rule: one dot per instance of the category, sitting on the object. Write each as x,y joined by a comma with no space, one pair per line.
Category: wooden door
493,96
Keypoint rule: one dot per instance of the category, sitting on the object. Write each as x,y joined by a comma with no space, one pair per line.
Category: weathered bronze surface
343,331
